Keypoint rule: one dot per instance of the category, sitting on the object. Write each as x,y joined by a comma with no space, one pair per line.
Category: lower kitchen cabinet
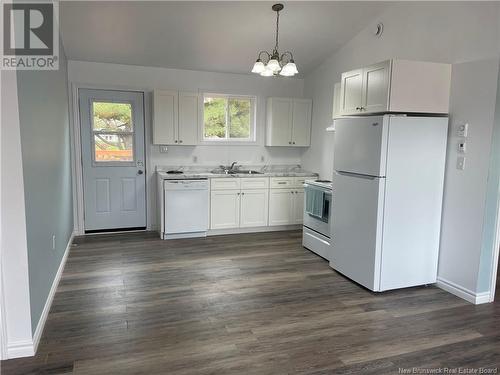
280,206
254,208
298,207
238,208
286,206
224,209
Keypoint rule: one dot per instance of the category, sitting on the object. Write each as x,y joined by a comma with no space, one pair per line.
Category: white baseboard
274,228
48,303
464,293
20,349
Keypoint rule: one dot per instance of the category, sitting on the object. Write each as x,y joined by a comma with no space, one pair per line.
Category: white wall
103,75
465,34
14,252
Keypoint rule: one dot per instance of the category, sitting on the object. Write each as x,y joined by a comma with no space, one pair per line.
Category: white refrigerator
387,198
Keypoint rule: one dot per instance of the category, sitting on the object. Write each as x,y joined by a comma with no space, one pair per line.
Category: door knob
140,171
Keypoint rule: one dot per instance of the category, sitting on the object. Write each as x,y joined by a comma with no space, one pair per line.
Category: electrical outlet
163,149
53,242
461,163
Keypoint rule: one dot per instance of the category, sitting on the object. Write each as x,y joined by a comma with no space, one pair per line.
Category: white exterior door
114,179
254,208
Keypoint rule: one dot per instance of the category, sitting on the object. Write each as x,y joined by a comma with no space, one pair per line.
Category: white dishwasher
186,208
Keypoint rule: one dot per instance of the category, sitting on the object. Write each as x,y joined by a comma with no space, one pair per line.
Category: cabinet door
188,118
298,207
224,209
279,122
301,122
350,92
165,117
280,206
376,88
254,208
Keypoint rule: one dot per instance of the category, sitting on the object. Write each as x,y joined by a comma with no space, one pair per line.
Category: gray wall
492,195
45,142
466,35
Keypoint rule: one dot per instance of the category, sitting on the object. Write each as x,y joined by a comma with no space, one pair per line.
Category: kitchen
243,212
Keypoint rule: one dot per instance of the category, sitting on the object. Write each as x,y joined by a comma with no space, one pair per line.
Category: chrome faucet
228,169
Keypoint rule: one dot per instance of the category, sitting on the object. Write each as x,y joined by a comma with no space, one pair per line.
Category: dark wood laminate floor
244,304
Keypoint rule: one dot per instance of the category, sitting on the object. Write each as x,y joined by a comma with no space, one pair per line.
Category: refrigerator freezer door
361,145
357,227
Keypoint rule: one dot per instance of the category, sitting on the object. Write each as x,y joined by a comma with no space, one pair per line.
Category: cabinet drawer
298,182
255,183
281,182
227,183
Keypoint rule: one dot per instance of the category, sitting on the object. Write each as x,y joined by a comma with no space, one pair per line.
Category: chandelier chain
277,29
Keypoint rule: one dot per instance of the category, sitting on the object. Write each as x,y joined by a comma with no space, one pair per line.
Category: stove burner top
324,181
174,172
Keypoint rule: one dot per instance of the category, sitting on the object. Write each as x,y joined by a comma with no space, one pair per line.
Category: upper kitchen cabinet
288,122
396,86
175,118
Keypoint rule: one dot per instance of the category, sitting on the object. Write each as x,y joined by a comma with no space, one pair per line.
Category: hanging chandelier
272,64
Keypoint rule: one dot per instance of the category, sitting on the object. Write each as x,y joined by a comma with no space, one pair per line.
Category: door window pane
113,147
112,117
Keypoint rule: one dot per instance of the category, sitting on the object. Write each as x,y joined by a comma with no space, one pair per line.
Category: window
113,132
228,118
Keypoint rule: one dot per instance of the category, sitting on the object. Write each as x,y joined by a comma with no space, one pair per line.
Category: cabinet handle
175,141
180,141
358,108
289,142
242,193
293,142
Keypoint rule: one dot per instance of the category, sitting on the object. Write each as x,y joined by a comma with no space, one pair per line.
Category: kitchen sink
233,172
247,172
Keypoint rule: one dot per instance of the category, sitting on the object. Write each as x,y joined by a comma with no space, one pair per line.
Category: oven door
318,218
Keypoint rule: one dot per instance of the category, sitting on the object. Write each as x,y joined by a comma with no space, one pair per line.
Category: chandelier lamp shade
274,63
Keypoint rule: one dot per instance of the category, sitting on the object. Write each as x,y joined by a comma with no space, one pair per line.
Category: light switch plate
163,149
462,130
461,163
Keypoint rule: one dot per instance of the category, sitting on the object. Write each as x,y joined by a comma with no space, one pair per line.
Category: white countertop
206,172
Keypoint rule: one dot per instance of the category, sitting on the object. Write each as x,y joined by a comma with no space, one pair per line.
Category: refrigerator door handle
358,175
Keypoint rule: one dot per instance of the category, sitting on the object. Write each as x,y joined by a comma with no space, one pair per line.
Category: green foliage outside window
226,118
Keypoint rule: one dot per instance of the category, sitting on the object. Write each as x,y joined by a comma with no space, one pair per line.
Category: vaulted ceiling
211,36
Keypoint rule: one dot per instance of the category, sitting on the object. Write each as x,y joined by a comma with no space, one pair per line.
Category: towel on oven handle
315,200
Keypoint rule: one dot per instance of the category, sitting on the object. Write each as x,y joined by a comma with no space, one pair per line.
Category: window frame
252,139
112,163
